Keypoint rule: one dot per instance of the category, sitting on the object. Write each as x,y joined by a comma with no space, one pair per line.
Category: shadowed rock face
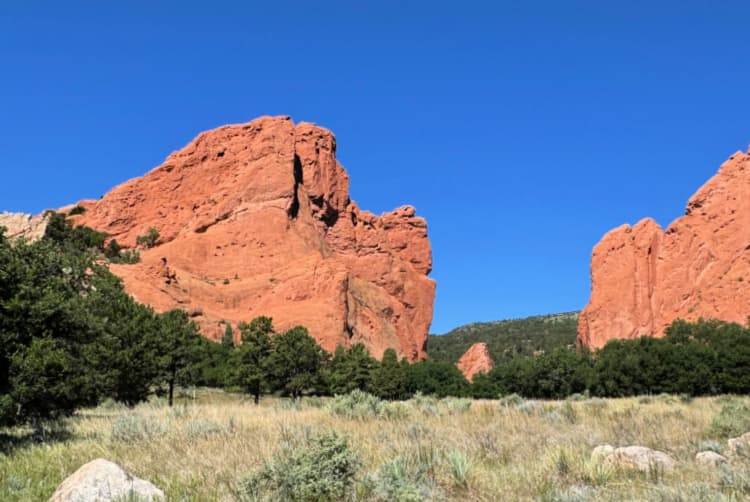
643,278
475,360
255,219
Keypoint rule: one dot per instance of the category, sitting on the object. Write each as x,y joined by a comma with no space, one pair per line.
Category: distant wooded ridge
508,338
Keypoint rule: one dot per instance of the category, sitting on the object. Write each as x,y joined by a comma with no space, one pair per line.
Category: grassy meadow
213,445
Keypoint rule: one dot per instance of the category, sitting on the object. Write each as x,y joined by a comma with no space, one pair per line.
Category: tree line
706,357
70,337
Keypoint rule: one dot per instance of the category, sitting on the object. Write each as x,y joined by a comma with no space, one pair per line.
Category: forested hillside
507,339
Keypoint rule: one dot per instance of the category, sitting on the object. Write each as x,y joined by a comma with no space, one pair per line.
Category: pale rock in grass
102,480
740,445
633,457
710,458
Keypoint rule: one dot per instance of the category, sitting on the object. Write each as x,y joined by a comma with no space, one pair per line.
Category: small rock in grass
740,445
710,458
633,457
102,480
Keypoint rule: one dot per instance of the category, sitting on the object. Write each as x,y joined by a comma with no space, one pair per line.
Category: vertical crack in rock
294,206
348,328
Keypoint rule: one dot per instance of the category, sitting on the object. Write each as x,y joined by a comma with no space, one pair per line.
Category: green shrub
148,240
200,428
115,254
430,405
577,396
510,401
77,210
399,480
357,405
394,483
530,407
395,410
134,427
126,257
459,466
735,481
666,398
455,405
323,469
732,420
426,404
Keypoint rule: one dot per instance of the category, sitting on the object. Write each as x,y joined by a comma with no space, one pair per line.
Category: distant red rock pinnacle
475,360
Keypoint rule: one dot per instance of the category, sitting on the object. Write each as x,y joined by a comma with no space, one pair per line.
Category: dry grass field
207,447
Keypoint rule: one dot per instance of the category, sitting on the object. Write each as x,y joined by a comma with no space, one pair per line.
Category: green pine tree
295,363
390,379
227,341
351,369
253,356
179,351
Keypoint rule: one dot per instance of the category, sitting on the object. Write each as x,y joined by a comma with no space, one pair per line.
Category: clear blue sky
522,131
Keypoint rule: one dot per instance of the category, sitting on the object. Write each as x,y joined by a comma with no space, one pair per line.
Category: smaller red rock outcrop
475,360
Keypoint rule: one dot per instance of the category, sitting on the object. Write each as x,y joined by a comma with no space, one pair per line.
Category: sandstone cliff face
26,226
255,219
475,360
643,278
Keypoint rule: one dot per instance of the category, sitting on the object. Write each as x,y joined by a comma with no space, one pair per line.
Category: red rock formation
475,360
643,278
255,219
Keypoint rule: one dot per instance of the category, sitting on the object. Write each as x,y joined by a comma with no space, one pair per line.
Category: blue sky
522,131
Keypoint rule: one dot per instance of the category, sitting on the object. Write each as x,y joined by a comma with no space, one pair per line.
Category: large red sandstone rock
255,219
643,278
475,360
